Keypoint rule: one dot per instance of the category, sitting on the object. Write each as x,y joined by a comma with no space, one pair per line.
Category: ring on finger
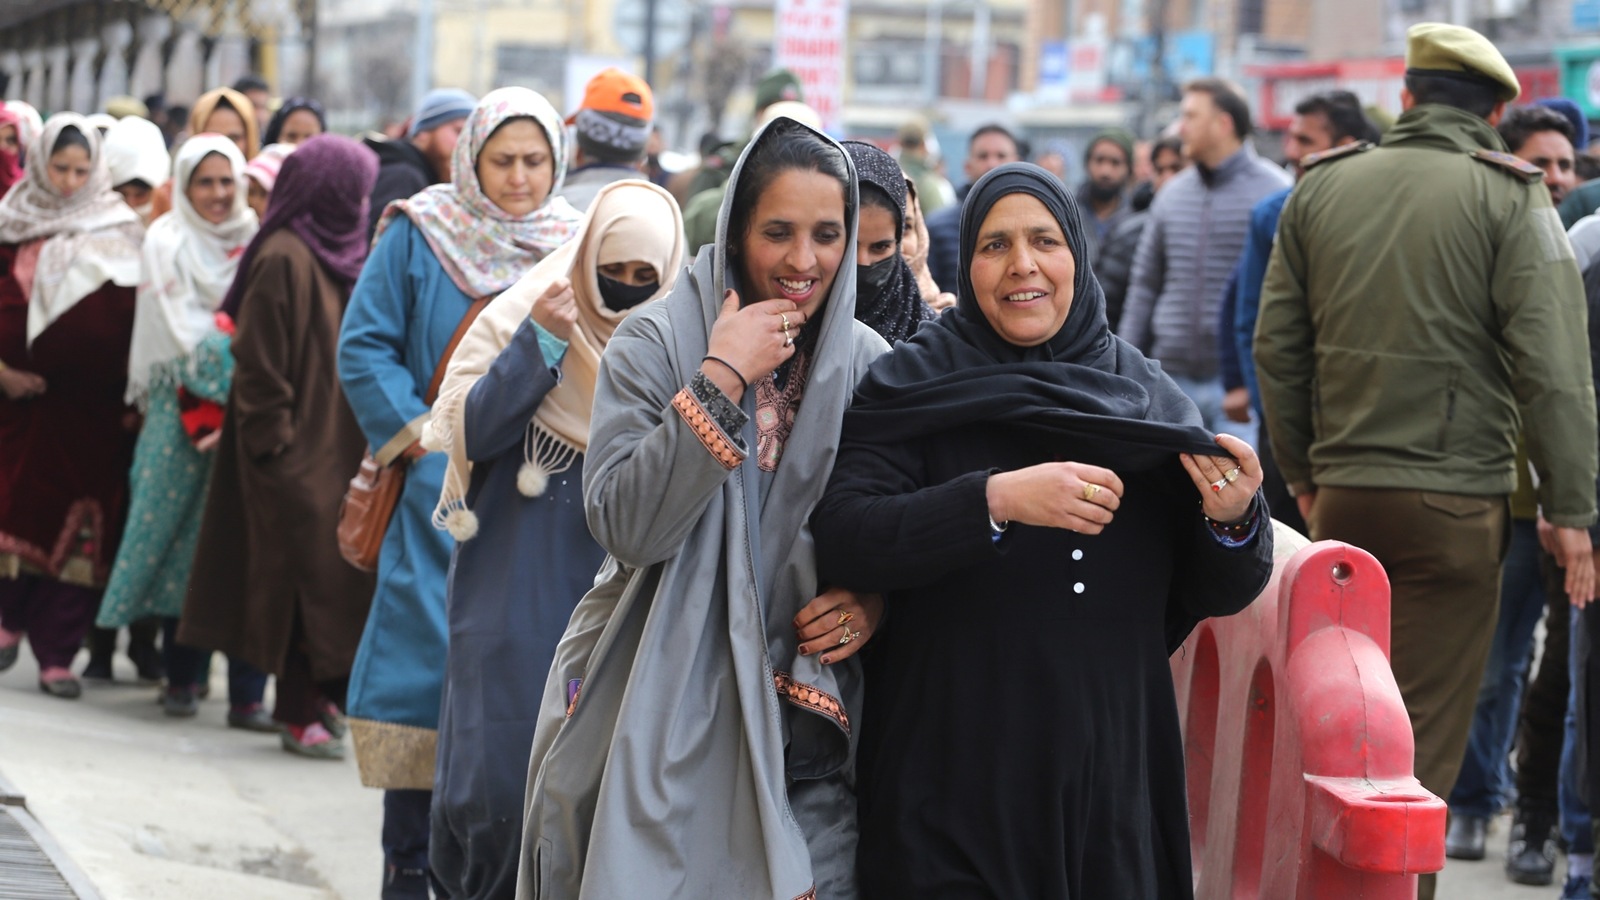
1232,475
787,341
849,636
1219,484
1089,490
845,617
785,320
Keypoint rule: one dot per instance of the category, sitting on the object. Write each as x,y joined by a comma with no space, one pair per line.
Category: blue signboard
1586,15
1189,54
1055,64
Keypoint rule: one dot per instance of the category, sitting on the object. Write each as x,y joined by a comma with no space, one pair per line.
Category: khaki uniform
1422,306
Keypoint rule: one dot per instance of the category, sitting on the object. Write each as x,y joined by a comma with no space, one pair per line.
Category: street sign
811,44
672,25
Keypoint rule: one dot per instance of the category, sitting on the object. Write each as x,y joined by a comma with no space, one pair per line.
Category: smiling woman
1023,487
704,464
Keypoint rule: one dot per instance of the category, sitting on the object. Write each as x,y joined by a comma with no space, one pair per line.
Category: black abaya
1020,736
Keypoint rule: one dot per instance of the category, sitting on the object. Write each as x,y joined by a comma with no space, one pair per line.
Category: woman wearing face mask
708,675
69,261
179,371
436,255
268,585
887,297
298,120
136,153
513,419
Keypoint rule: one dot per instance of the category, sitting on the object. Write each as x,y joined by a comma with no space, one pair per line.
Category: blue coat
402,314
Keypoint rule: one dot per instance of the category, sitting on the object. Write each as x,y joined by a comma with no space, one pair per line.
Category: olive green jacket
1422,305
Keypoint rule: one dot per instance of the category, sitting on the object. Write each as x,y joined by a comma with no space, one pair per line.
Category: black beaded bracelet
1233,529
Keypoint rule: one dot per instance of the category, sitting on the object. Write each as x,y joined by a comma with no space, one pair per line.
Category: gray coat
1191,244
666,763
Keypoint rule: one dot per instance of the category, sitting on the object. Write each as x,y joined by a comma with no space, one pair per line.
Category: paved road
153,807
161,809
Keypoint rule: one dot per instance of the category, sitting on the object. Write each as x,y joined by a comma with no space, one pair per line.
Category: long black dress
1020,737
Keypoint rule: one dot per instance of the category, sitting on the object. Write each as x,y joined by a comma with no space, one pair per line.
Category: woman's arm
373,370
265,352
878,531
1218,574
658,451
501,403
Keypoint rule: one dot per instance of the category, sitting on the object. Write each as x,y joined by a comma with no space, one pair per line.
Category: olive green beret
1434,48
779,84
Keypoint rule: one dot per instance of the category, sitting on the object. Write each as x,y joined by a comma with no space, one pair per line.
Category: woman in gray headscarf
695,739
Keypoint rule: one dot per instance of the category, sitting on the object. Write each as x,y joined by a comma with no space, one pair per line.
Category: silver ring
787,341
1219,484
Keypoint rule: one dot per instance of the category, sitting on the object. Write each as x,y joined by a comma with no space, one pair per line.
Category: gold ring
1232,475
845,617
1089,490
849,636
785,322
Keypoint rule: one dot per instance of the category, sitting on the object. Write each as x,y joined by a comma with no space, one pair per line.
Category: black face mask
618,296
871,280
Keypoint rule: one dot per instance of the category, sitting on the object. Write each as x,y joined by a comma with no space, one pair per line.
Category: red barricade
1298,748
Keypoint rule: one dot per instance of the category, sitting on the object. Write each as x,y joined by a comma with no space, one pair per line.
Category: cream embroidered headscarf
189,263
629,221
89,238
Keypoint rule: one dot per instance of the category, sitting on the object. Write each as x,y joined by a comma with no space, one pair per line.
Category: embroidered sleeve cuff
1235,537
716,441
728,416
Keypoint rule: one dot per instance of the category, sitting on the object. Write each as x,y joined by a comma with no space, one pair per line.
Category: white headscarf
188,265
93,237
136,149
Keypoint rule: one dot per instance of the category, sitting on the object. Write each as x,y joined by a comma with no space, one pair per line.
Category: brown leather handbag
373,494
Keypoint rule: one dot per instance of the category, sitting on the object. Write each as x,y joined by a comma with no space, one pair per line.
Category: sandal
251,717
333,719
68,688
313,741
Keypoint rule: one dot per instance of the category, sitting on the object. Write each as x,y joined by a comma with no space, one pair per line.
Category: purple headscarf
322,196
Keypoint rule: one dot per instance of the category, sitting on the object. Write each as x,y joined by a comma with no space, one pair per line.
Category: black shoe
98,669
147,660
65,688
404,884
8,655
1466,837
1531,855
180,703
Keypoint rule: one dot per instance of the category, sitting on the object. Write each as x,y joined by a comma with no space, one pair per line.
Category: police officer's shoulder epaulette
1340,152
1521,167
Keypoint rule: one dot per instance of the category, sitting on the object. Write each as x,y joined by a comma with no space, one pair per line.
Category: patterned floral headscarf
483,248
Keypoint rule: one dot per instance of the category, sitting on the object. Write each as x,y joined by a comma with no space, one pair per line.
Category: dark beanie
1119,136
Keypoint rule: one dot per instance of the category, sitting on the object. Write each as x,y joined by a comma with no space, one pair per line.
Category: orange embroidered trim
699,422
808,895
808,697
573,703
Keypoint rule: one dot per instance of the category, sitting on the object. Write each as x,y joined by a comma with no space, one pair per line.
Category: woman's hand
942,302
1073,496
20,385
753,340
556,310
1227,484
837,624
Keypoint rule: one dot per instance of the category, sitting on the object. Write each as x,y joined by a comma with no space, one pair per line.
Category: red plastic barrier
1298,748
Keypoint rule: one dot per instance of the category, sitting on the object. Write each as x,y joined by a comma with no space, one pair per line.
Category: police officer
1422,295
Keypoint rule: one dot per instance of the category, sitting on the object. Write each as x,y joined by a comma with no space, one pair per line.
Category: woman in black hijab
887,298
1048,521
298,120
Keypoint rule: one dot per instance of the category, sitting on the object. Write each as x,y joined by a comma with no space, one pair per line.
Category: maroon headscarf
10,163
322,196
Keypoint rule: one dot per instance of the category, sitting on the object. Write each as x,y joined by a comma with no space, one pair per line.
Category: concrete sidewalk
153,807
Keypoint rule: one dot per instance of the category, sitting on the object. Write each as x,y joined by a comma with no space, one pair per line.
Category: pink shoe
314,741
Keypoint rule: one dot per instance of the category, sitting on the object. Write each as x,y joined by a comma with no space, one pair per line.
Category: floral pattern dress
168,482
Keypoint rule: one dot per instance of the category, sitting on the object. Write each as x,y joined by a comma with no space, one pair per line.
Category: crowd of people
636,540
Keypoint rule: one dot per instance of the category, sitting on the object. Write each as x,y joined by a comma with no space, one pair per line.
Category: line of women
750,579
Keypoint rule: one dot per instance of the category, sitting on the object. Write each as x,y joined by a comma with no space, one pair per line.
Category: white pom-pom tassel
430,438
531,480
462,524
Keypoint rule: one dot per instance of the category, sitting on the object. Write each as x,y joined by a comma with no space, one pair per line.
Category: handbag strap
450,348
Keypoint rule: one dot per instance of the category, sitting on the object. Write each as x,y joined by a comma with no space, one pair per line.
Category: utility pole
650,43
422,70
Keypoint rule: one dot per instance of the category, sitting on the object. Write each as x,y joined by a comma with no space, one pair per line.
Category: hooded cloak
703,756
